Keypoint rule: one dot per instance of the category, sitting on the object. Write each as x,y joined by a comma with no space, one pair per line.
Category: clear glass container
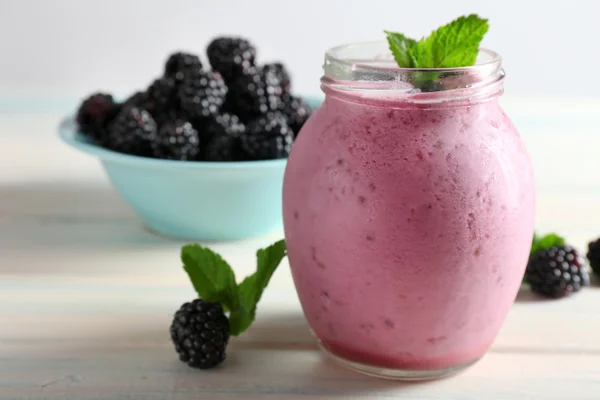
408,208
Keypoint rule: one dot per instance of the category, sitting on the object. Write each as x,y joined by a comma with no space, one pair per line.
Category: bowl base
177,234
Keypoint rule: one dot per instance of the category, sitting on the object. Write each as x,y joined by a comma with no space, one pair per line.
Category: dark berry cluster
200,333
593,255
236,111
557,272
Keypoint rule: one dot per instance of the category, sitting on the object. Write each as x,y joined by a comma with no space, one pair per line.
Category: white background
550,48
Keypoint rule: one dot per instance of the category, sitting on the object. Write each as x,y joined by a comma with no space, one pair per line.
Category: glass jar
408,209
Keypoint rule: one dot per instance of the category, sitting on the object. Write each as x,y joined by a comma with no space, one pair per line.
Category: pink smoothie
408,229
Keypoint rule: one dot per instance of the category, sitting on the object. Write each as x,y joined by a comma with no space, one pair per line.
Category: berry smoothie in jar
408,213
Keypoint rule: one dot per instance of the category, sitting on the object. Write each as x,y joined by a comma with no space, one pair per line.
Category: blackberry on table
556,272
95,114
593,255
255,92
180,63
296,111
222,136
176,140
200,333
202,94
267,137
162,96
230,55
133,132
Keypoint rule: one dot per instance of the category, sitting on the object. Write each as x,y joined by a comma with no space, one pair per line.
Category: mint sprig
214,280
453,45
212,277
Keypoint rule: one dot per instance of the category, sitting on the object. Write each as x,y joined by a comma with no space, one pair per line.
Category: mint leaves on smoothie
214,281
453,45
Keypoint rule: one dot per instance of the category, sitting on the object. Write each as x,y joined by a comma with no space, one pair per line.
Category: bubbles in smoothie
437,339
325,300
389,323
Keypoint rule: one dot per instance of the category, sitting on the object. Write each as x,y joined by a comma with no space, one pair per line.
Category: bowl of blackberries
201,152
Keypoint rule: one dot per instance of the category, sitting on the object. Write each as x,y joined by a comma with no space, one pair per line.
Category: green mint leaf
401,48
251,289
267,261
212,278
240,319
453,45
545,242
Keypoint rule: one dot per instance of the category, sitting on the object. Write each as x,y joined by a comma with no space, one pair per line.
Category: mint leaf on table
212,277
545,242
214,281
251,289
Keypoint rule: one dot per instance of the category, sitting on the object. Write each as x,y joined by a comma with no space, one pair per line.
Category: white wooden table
86,295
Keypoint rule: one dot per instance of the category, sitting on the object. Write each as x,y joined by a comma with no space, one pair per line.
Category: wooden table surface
86,294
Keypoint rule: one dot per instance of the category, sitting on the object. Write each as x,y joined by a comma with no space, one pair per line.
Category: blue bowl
194,200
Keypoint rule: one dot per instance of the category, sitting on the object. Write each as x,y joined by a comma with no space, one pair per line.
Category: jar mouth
370,66
376,55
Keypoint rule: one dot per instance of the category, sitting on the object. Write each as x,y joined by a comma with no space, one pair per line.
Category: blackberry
281,74
556,272
223,148
230,56
132,132
200,333
267,137
170,116
255,92
180,63
162,97
137,99
593,256
224,124
296,111
222,136
176,140
202,94
95,114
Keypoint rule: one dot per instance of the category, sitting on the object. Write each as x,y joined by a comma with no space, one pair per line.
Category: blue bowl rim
67,130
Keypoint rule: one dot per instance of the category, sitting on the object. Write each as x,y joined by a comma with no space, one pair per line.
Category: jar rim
369,69
486,58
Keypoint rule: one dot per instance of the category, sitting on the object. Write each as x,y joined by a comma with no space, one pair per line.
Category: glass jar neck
367,72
